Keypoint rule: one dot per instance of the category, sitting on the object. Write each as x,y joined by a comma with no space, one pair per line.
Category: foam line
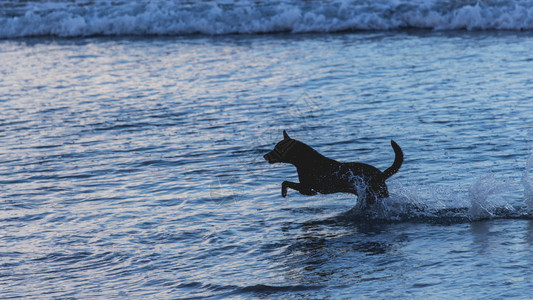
80,18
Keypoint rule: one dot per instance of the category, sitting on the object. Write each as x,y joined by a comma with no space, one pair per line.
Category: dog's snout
271,157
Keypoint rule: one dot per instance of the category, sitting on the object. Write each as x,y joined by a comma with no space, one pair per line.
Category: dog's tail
398,160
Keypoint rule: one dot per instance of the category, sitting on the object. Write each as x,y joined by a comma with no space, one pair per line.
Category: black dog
319,174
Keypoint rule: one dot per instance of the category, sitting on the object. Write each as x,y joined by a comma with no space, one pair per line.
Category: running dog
319,174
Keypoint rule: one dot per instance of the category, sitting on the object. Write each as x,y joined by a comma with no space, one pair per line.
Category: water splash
479,193
396,208
485,196
528,185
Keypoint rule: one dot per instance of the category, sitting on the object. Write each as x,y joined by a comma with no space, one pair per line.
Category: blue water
131,165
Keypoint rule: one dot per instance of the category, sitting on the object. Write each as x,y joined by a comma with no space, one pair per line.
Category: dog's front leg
296,186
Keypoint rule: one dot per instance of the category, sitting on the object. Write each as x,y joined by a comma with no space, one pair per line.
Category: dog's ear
285,135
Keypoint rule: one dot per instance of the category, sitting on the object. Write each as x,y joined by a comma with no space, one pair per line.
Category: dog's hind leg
296,186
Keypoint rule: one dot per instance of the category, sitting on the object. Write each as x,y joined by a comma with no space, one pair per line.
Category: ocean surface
132,137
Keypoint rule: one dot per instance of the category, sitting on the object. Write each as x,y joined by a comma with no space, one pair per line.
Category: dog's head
279,154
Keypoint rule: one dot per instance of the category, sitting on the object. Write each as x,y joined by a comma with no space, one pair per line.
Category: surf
176,18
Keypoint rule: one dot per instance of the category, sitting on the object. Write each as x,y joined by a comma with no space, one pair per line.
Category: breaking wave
78,18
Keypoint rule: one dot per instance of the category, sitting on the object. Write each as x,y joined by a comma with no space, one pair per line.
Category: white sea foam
168,17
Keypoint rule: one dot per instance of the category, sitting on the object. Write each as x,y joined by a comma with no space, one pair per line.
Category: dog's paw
283,190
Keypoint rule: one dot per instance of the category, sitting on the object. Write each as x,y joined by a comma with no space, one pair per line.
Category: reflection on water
132,167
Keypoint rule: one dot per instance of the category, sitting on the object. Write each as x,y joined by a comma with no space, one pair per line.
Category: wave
79,18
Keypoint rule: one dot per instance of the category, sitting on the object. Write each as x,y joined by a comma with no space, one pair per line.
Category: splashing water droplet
528,185
479,194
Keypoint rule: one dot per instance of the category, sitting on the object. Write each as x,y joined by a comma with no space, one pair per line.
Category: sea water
132,136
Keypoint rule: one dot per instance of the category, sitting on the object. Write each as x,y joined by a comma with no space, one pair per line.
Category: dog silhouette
319,174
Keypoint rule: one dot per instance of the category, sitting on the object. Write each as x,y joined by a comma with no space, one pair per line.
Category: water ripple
132,167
